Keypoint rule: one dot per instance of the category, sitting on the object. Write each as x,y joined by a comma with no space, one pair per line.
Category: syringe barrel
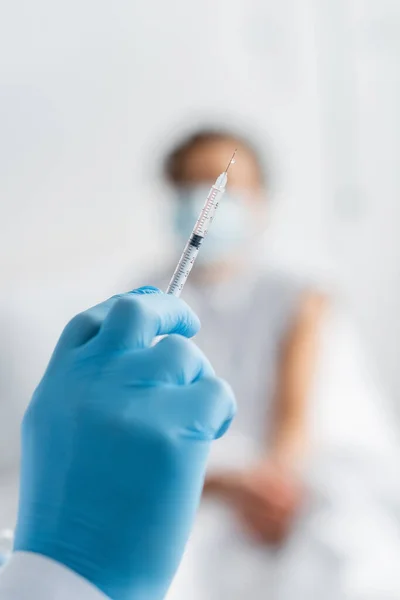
185,265
197,236
208,211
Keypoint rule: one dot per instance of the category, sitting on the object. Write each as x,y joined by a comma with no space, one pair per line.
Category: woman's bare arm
295,377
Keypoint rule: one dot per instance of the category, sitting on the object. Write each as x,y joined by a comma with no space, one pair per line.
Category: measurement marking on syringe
208,208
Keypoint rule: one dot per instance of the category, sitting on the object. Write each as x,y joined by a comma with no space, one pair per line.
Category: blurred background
91,93
94,93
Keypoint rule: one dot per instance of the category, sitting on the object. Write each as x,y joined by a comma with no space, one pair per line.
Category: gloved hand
115,444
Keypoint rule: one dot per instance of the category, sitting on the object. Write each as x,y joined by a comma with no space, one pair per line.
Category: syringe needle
231,161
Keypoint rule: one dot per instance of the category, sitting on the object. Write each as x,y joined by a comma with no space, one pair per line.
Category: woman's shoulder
282,296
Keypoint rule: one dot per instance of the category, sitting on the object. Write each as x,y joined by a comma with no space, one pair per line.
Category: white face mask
233,228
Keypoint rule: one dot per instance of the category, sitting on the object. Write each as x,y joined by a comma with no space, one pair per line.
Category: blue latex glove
115,444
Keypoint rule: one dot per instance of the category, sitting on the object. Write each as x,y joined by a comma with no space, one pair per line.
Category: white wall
359,78
88,88
91,91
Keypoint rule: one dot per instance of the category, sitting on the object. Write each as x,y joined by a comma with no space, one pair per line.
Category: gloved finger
86,325
83,327
135,320
174,360
207,408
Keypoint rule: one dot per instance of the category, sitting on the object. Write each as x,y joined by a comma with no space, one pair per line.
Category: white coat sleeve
29,576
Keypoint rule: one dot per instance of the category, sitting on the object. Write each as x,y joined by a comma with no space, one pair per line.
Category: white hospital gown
346,545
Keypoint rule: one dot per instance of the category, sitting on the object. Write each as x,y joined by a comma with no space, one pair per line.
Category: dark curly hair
172,166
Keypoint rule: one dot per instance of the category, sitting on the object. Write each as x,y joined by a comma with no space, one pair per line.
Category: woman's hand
266,499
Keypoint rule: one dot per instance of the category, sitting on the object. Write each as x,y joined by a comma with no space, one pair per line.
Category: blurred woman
270,528
260,330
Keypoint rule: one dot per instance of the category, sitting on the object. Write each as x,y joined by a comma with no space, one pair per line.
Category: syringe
203,223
